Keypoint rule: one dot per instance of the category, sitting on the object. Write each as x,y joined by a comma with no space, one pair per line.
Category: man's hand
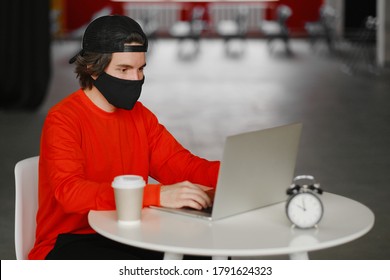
185,194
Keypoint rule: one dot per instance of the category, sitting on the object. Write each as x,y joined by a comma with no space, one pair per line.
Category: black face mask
118,92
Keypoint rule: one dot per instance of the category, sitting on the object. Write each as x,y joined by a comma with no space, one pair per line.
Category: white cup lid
128,181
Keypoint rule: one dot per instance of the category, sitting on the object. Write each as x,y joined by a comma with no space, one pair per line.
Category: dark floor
345,142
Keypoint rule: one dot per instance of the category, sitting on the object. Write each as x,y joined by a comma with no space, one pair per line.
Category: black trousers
97,247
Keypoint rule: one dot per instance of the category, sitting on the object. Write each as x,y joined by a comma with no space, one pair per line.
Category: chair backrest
327,17
197,21
283,13
26,205
242,19
197,13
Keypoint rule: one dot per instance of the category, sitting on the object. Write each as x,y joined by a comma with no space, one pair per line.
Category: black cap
107,34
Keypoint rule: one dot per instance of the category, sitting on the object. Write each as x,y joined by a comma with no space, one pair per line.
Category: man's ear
93,76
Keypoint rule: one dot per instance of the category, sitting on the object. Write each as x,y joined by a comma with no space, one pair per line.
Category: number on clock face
304,210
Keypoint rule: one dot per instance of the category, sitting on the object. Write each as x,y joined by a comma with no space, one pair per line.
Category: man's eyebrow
129,66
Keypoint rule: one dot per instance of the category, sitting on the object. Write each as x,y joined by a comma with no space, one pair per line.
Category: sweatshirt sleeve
171,163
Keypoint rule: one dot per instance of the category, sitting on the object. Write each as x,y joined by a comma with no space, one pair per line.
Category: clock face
304,210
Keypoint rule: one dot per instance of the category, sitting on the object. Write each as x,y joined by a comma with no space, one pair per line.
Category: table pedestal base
172,256
220,258
299,256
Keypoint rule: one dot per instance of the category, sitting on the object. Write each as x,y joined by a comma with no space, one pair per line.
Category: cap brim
73,59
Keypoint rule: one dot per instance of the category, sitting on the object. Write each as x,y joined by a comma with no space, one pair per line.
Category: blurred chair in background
324,29
361,52
189,31
277,29
150,25
234,31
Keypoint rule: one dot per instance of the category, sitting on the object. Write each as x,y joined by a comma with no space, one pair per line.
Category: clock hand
299,206
303,203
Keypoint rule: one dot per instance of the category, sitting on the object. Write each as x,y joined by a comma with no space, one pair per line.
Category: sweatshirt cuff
152,195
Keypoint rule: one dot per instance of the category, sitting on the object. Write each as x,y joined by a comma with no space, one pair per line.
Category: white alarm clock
304,207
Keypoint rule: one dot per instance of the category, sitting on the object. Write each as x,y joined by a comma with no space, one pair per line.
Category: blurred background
216,68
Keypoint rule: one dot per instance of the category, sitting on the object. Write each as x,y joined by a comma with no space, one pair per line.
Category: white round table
261,232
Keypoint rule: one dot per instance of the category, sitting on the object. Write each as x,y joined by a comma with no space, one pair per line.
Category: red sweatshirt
83,148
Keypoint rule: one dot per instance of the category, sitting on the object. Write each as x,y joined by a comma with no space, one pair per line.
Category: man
102,131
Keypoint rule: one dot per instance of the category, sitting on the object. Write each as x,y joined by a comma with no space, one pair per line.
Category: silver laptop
256,169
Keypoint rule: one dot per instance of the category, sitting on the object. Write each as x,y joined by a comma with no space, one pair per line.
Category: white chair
323,29
278,29
234,30
26,205
189,32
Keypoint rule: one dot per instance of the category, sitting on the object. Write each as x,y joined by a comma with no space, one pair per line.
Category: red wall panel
80,12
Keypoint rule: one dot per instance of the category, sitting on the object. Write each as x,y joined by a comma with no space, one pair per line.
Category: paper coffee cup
129,192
